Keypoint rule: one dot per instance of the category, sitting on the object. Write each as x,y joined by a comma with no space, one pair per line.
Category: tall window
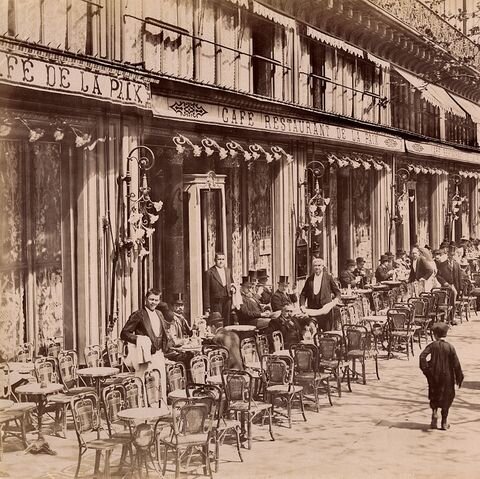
262,61
318,80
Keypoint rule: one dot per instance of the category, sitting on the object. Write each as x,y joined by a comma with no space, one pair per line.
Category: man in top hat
264,292
384,271
347,276
250,311
319,290
282,297
179,328
218,288
361,272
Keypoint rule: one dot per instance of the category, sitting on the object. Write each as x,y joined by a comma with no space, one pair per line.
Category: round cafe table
40,395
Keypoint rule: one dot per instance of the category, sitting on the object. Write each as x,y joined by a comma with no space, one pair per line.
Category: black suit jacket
328,289
280,300
452,276
139,324
213,290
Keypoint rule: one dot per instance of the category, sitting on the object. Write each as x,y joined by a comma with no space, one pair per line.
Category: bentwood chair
400,331
14,420
359,345
218,361
93,356
199,367
421,318
113,399
330,359
192,423
176,380
153,388
238,387
24,353
221,425
68,371
46,372
307,374
133,392
86,417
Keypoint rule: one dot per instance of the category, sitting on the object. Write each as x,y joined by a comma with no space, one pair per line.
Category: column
173,210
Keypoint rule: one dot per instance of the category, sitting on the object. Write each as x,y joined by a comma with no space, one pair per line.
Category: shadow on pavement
471,385
406,425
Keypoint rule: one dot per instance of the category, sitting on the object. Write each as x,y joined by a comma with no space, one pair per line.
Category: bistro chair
359,345
86,417
113,400
46,372
115,359
399,330
176,380
279,383
93,356
330,359
221,425
24,353
444,304
153,388
306,372
68,371
218,361
238,387
465,303
421,318
133,388
251,362
433,313
13,421
263,347
192,423
199,367
54,346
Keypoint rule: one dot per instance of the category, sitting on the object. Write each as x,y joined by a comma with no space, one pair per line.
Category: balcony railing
431,25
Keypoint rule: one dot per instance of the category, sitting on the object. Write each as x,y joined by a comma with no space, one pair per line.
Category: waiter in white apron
147,330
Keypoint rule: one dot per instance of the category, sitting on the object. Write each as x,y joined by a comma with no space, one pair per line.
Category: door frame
193,184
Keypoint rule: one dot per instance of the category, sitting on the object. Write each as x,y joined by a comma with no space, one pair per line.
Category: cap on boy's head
440,330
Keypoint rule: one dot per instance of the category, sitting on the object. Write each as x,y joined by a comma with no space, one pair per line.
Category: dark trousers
325,321
224,307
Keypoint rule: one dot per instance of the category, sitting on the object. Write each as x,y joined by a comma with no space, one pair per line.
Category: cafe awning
434,94
471,108
334,42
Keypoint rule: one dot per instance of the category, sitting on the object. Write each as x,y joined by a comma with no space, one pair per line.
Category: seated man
361,272
288,325
384,271
347,276
264,291
282,297
250,311
179,328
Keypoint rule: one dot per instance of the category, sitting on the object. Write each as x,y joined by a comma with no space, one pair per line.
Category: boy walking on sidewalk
443,371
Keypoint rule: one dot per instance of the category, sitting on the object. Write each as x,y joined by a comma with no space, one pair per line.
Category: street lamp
315,203
454,204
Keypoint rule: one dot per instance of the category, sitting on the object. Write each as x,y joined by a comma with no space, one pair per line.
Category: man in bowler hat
282,297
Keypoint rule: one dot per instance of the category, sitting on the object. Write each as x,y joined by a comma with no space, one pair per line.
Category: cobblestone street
378,430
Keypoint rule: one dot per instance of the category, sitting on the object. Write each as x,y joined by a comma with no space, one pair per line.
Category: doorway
205,231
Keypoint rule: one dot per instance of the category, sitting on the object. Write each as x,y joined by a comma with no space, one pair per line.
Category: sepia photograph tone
239,239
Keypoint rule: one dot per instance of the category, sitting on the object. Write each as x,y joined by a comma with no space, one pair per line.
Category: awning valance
334,42
274,16
469,174
434,94
378,61
357,160
426,170
471,108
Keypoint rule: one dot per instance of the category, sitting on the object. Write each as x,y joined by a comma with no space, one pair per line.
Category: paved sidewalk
378,431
